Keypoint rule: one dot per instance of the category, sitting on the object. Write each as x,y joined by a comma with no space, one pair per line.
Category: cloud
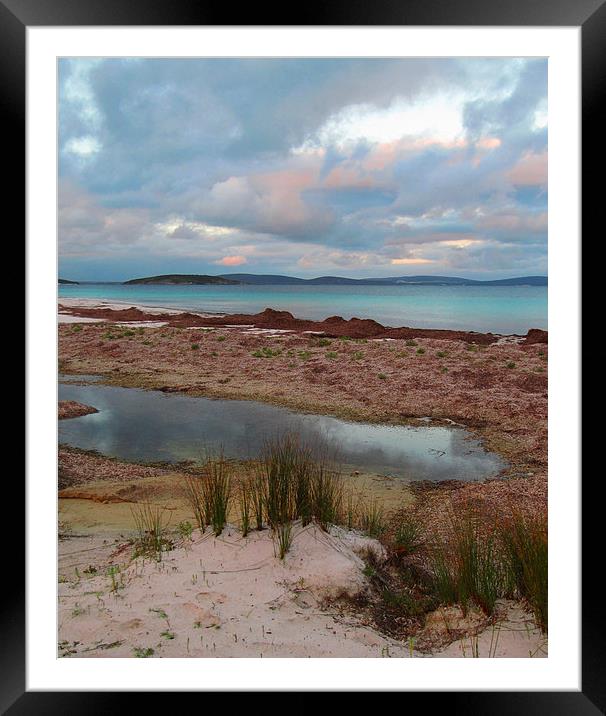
82,146
531,169
232,260
305,164
410,262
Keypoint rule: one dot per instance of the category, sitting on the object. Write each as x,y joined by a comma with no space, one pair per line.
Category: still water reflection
151,426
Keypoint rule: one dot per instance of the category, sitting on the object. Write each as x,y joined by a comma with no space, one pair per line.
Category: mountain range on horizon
262,279
277,279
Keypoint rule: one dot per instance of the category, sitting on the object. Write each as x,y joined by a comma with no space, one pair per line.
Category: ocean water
496,309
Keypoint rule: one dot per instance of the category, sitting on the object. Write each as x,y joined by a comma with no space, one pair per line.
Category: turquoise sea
496,309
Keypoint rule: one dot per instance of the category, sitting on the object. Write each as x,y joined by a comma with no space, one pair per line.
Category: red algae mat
334,326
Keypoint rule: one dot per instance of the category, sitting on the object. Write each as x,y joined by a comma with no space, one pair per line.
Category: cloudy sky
308,167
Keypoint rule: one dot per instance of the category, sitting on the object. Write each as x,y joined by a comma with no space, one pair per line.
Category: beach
201,599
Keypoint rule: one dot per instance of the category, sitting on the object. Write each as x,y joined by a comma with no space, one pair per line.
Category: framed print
291,290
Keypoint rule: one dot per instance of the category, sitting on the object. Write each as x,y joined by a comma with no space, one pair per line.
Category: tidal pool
151,426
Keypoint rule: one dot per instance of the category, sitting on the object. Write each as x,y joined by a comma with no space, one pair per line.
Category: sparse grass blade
245,504
258,490
193,491
372,518
326,495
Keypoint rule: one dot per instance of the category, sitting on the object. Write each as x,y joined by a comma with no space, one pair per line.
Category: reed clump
291,483
216,492
474,558
485,559
468,567
151,522
524,541
209,493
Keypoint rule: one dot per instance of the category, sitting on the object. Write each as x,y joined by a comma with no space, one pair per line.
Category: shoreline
270,319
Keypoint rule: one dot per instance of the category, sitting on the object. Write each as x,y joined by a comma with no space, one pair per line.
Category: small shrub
266,353
411,343
511,364
382,376
420,351
195,346
442,354
323,342
408,535
220,338
185,529
411,605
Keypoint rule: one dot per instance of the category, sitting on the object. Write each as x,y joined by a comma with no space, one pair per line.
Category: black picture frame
590,15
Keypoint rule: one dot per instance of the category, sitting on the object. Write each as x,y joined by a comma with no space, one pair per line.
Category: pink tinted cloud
348,178
232,261
385,154
531,169
488,143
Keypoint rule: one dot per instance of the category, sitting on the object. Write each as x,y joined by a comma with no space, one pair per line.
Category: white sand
68,318
229,597
121,305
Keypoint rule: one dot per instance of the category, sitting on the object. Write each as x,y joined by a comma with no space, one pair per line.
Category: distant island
64,281
184,279
269,280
